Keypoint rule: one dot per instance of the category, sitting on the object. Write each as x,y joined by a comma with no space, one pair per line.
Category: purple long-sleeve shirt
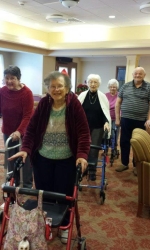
112,101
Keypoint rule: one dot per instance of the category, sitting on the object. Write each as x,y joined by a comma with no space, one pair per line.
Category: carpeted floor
113,225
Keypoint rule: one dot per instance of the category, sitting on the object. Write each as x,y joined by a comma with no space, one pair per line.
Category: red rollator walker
56,211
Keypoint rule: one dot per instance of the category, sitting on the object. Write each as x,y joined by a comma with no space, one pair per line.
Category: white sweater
103,102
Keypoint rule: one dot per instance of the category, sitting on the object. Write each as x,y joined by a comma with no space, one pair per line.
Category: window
120,75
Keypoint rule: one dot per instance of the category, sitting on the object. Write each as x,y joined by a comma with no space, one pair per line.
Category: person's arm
27,111
83,135
148,116
117,110
147,123
107,120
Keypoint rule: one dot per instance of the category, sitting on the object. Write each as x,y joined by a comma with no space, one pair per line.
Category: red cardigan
76,127
16,108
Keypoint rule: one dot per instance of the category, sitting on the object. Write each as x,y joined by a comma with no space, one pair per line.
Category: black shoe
92,175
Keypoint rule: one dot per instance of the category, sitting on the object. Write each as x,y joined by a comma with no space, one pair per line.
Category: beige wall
110,38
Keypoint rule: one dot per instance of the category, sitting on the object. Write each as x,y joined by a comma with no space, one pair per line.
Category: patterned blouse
55,142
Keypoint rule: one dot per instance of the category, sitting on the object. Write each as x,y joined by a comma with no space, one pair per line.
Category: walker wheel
105,184
83,245
1,216
102,197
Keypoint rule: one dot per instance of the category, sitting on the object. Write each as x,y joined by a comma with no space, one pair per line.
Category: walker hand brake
18,164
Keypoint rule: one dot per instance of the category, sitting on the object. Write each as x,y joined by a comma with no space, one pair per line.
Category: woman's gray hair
56,74
94,76
113,81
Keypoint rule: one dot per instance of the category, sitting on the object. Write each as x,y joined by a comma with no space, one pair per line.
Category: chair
140,143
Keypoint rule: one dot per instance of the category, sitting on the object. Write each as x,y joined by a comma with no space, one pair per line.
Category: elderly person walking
96,107
134,103
16,107
112,95
57,139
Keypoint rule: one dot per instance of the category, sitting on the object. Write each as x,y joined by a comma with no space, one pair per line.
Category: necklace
92,98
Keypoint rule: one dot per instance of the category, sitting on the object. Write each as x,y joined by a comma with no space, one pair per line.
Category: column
132,63
48,66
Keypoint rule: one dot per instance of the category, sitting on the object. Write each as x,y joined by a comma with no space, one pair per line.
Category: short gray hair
97,77
113,81
56,74
139,68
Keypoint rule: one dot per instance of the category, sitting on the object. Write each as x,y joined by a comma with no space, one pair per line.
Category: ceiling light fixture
69,3
145,8
111,16
22,3
56,18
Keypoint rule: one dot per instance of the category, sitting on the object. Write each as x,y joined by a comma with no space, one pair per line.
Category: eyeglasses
52,87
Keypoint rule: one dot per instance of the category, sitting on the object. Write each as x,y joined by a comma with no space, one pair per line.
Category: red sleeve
83,133
27,105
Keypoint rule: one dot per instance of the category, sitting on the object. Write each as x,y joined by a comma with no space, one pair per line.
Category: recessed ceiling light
111,16
56,18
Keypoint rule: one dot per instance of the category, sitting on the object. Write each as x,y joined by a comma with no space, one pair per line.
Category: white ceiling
91,12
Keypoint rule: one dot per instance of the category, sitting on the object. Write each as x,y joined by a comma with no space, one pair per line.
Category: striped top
135,101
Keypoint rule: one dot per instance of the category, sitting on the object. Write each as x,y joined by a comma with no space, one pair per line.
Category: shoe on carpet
122,168
92,177
64,236
135,171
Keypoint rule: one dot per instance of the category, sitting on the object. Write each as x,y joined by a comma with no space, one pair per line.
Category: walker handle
78,175
18,164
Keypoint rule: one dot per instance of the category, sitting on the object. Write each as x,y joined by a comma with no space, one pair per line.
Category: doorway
71,69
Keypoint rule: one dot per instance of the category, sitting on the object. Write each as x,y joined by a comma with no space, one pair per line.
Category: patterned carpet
113,225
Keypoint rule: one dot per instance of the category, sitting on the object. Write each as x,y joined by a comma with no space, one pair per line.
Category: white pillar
132,63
